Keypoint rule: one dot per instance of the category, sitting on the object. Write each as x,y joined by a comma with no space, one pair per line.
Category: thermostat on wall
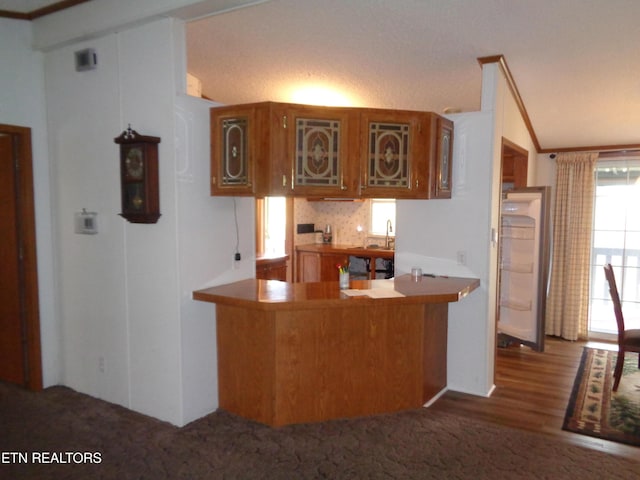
86,59
86,222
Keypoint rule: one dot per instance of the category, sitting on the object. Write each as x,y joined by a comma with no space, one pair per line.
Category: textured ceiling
575,62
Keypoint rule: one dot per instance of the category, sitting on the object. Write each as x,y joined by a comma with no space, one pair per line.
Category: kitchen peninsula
304,352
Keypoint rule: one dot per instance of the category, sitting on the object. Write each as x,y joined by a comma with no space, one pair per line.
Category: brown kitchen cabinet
308,266
233,149
321,145
319,262
273,148
442,159
329,266
245,141
394,153
272,268
319,267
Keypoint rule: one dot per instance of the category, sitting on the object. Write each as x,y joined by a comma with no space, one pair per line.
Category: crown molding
500,60
41,12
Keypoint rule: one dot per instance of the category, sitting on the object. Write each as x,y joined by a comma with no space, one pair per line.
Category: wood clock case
139,177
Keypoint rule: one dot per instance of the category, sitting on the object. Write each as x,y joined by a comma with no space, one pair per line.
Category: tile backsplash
344,218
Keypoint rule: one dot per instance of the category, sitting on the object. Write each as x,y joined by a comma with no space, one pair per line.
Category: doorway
515,165
20,357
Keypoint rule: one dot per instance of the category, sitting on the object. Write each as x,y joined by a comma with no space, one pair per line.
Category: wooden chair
628,340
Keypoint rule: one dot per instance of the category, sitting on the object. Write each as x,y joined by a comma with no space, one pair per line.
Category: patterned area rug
597,411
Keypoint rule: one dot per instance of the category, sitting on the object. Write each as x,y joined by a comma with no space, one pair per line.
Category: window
382,210
616,240
275,225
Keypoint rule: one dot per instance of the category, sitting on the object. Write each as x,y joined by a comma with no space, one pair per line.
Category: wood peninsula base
295,353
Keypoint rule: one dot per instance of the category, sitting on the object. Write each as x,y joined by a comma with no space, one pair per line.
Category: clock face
134,163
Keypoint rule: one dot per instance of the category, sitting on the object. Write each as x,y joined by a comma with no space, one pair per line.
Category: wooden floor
532,391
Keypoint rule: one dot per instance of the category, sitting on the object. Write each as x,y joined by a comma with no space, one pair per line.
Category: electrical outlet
461,257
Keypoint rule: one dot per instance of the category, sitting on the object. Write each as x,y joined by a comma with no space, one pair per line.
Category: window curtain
567,312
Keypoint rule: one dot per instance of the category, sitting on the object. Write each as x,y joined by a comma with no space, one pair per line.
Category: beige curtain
568,301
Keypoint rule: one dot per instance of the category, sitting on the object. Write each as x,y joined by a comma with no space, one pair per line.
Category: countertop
277,295
272,258
354,250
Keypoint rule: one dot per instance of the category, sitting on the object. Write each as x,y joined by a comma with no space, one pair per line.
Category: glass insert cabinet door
323,150
388,155
318,159
444,159
233,137
235,165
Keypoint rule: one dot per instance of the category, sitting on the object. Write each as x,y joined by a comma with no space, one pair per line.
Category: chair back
617,307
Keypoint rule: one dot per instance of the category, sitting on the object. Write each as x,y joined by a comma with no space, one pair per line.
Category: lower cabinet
272,269
319,267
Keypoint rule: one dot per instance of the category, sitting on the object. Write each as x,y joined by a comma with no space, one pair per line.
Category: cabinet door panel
322,145
443,159
233,138
329,267
388,155
394,153
308,267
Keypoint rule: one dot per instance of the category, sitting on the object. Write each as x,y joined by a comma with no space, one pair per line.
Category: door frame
25,215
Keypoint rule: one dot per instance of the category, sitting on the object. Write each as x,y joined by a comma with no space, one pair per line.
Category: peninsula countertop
277,295
305,352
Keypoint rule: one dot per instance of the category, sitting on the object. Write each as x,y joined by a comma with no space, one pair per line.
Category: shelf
519,305
517,267
518,233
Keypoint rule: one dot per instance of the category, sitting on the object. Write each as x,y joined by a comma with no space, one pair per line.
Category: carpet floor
61,434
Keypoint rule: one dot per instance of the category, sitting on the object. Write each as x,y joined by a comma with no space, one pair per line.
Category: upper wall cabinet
442,160
394,153
273,148
233,150
322,143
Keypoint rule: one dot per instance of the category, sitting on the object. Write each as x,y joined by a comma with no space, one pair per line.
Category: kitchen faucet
389,230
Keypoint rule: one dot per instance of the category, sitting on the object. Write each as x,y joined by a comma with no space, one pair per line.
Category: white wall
466,223
125,293
22,103
206,245
117,289
442,228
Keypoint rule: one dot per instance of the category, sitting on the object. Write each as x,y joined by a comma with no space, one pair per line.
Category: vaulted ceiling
574,62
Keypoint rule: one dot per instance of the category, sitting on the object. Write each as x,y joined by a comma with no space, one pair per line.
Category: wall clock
139,176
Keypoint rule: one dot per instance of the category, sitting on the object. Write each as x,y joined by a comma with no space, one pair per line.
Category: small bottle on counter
326,236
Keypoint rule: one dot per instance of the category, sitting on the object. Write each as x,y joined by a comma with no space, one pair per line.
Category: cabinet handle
292,177
284,121
417,182
284,181
213,180
342,186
